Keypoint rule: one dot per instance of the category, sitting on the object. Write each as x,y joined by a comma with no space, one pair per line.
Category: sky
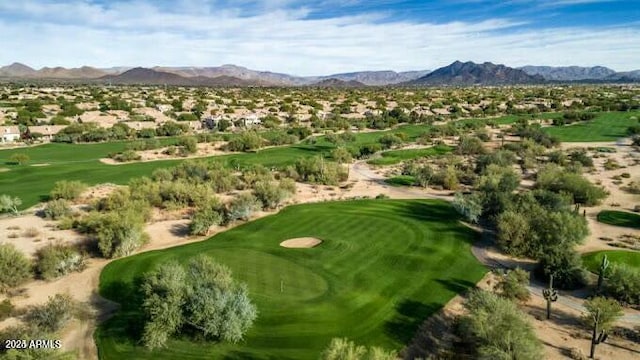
320,37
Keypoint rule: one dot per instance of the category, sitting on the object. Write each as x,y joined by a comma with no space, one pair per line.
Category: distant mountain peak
569,73
470,73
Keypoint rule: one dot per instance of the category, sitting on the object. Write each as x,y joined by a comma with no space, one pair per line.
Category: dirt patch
4,169
301,243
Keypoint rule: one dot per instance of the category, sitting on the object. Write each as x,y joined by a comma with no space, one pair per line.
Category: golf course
382,268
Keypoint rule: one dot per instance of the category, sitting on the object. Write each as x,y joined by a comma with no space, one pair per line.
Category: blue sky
320,37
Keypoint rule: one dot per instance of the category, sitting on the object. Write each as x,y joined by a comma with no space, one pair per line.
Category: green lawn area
592,260
608,126
619,218
395,156
384,267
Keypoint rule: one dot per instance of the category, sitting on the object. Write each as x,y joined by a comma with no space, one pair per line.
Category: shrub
127,155
468,206
57,209
206,216
19,159
272,193
54,261
496,329
566,266
243,206
69,190
344,349
53,315
470,145
246,141
623,284
15,268
117,233
6,309
513,285
9,204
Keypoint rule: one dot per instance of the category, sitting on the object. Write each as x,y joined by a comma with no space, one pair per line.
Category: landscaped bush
57,209
69,190
623,284
15,268
54,261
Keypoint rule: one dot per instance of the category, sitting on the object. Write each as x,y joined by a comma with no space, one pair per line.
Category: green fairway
608,126
384,267
395,156
619,218
592,260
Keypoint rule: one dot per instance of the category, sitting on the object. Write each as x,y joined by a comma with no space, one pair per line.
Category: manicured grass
395,156
608,126
384,267
619,218
592,260
401,180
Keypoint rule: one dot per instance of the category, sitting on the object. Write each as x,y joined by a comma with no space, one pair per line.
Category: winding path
481,249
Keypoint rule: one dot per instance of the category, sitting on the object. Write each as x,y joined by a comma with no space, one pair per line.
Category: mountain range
455,74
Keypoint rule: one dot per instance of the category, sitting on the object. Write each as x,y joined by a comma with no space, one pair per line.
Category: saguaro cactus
601,271
551,295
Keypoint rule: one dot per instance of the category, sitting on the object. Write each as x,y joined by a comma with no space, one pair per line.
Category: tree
19,158
497,329
344,349
15,268
164,291
200,297
9,204
513,285
599,316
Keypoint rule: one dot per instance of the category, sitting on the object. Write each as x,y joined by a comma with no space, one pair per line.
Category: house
47,131
164,108
251,120
9,134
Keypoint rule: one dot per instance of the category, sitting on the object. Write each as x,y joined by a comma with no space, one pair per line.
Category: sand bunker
299,243
37,165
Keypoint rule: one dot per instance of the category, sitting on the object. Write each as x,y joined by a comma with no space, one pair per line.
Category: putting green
592,260
383,267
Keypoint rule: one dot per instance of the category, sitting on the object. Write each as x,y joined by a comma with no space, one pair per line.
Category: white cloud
202,34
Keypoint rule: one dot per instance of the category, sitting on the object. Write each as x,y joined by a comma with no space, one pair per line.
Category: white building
9,133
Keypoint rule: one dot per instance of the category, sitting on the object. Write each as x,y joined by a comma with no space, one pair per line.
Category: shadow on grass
410,314
457,286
